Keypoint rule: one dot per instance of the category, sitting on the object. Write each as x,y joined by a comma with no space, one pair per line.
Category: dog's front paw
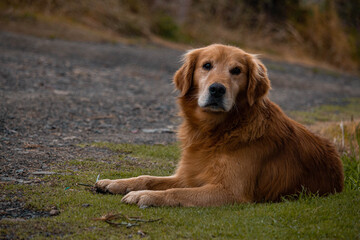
101,185
144,198
110,186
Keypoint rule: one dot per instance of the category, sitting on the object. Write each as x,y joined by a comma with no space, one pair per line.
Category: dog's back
300,161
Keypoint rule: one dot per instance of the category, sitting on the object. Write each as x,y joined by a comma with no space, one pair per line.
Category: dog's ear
258,81
183,78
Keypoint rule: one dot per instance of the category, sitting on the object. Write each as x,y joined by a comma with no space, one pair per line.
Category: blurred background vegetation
326,31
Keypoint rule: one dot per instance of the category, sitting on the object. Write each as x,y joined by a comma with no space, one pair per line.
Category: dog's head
218,76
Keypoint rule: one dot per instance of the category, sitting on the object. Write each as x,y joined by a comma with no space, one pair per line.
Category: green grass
310,217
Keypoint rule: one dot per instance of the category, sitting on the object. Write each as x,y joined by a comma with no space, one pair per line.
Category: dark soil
56,94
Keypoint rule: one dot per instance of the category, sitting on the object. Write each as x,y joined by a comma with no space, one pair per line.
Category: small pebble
54,212
141,233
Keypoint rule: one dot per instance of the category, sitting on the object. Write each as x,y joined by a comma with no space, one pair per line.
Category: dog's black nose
217,90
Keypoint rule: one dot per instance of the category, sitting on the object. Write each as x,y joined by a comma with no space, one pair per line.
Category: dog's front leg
208,195
123,186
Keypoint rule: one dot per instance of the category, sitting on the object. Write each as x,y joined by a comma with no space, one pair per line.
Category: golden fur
247,151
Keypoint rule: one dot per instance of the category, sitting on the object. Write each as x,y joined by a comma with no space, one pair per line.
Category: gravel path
55,94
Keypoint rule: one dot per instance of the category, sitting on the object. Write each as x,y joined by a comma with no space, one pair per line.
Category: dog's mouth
214,107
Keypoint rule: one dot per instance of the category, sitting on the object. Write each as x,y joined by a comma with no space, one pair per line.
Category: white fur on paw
142,198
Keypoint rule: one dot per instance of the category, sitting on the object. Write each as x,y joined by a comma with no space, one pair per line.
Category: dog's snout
217,90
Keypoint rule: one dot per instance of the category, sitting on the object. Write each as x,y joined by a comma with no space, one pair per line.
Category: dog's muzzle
216,95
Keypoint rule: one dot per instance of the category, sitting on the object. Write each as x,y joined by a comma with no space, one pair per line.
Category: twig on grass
136,219
110,218
127,224
89,187
84,184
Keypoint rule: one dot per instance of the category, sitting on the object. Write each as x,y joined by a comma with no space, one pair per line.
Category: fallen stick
110,218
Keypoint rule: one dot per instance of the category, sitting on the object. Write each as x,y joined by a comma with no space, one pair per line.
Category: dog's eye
207,66
235,71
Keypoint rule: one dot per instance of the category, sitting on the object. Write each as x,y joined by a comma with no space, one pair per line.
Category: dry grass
344,134
315,33
338,123
324,36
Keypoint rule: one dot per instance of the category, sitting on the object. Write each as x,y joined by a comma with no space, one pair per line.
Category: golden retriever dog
237,145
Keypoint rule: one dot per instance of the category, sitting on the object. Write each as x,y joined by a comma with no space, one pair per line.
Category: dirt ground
56,94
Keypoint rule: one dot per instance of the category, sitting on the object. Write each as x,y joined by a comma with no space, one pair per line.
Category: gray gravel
55,94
